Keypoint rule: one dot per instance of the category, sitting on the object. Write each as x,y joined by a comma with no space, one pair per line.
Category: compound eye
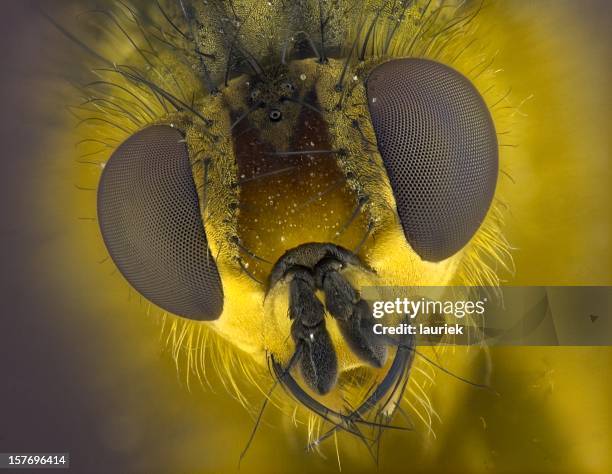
439,146
149,216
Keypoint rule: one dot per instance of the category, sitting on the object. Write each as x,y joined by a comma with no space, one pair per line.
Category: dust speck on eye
303,77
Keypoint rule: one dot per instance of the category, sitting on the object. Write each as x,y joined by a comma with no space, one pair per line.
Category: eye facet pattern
439,147
149,216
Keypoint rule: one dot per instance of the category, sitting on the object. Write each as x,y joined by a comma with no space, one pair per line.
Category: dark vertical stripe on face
289,198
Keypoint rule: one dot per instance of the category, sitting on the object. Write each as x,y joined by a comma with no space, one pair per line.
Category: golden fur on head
253,325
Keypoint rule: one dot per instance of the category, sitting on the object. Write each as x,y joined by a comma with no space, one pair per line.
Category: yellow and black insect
268,159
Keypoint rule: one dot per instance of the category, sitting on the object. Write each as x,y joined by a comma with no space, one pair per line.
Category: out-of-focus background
82,369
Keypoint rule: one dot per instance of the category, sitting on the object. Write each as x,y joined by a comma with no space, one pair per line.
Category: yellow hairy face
277,129
285,200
